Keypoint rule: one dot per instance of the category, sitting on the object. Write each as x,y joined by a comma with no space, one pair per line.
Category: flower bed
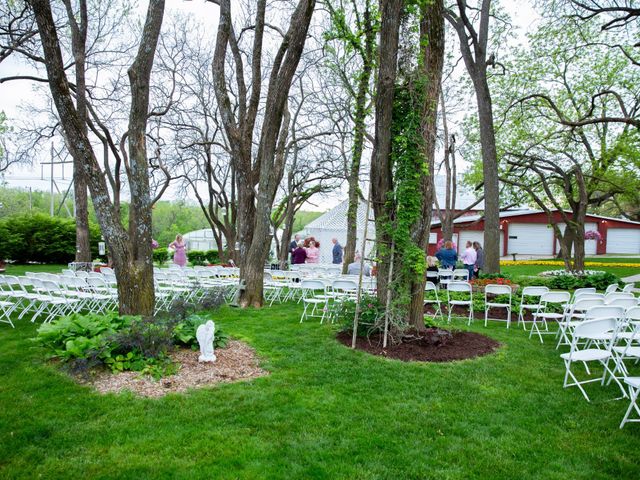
558,263
557,273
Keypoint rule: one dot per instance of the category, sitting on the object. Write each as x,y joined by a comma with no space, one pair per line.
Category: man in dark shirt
292,247
337,251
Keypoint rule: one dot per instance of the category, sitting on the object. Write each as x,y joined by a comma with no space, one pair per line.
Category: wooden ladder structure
356,318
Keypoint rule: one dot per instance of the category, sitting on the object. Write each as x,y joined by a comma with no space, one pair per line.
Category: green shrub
371,316
599,281
40,238
495,275
532,281
197,257
120,343
161,255
212,256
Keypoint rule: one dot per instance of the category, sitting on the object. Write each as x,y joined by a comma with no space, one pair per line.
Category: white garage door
590,246
623,240
530,239
476,236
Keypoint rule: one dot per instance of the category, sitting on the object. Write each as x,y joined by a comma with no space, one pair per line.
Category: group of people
472,258
308,251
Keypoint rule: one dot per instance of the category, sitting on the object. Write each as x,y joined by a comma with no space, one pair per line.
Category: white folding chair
589,330
494,290
629,340
460,275
611,288
463,288
580,291
628,288
610,297
428,288
445,276
529,293
310,298
633,383
576,311
624,302
552,307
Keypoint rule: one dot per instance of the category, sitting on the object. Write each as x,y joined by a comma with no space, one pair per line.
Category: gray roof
336,218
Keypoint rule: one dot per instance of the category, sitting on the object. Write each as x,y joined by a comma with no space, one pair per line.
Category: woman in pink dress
313,252
180,255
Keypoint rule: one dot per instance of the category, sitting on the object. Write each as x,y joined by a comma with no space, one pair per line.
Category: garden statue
204,334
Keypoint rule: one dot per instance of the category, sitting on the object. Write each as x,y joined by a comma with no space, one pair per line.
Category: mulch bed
236,362
459,346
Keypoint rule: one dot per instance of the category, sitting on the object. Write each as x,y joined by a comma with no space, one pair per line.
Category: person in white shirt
469,257
354,268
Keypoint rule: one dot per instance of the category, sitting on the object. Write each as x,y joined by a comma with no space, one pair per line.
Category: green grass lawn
324,412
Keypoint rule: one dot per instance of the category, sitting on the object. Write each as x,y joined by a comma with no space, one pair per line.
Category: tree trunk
131,251
78,27
432,53
381,175
359,116
490,173
352,224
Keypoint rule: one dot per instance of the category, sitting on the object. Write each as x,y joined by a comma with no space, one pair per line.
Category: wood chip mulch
462,345
237,361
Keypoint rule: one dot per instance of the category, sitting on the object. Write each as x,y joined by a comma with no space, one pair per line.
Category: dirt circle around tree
236,362
429,347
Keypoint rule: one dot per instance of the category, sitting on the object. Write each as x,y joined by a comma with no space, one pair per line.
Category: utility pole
53,183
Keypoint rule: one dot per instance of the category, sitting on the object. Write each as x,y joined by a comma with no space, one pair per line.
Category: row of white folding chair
601,339
628,348
491,292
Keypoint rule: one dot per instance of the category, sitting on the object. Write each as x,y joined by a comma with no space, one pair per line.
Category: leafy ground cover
324,412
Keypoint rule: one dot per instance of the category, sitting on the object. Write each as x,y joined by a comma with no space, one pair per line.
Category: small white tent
333,224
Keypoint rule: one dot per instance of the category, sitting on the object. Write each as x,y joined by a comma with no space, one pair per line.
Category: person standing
354,268
479,259
299,255
293,246
337,251
180,251
313,252
469,257
447,255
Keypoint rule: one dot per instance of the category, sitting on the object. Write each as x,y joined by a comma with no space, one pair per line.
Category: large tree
403,161
258,170
570,167
130,247
355,24
473,40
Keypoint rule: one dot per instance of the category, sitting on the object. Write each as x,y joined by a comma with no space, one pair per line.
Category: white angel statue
205,334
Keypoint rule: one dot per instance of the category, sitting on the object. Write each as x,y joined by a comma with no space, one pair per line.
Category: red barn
529,232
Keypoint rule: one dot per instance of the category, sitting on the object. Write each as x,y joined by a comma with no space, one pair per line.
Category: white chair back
459,287
624,302
628,288
611,288
615,296
460,274
604,311
633,314
495,289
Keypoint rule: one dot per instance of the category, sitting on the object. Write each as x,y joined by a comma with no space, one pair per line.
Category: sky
15,94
